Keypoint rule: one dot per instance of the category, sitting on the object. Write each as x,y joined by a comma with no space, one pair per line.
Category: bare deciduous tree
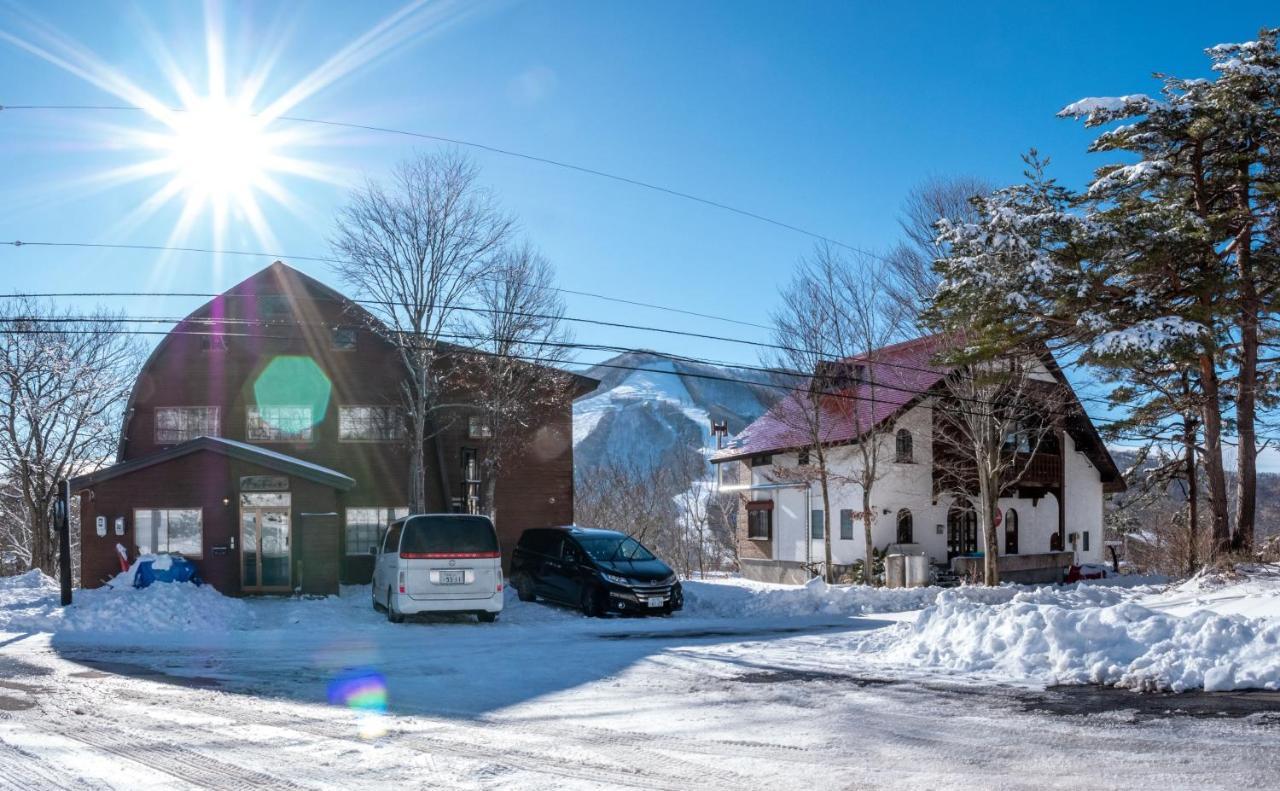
833,320
912,280
417,250
520,340
63,384
991,420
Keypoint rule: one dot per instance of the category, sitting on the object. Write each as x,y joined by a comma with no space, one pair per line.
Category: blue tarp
180,570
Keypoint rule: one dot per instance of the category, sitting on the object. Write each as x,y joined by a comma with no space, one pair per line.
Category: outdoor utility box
319,555
895,571
917,571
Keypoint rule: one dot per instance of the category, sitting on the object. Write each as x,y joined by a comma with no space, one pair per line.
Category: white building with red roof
1050,519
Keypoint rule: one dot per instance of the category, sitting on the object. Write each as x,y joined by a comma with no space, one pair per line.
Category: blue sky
819,114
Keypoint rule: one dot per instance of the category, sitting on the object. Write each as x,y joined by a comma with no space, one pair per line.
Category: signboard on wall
264,483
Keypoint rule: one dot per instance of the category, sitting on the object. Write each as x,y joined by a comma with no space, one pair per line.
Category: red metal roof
894,377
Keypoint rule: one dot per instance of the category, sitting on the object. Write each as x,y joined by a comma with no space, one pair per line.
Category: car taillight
499,580
402,582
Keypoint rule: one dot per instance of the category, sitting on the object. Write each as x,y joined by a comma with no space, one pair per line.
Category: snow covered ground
752,686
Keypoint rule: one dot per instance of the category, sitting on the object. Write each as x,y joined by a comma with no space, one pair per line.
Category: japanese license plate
453,577
655,601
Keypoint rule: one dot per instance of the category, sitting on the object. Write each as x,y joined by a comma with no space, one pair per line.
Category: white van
439,563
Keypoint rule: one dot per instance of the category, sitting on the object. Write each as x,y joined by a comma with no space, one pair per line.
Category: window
365,526
477,428
762,460
906,527
183,423
343,339
1011,532
817,525
471,480
391,542
279,423
176,530
1085,546
213,341
802,457
846,524
369,424
760,520
903,453
272,305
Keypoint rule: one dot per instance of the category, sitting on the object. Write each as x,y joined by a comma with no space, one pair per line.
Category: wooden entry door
265,549
962,533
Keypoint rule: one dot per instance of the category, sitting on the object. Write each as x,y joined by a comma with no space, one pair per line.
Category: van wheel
487,617
392,615
524,589
593,604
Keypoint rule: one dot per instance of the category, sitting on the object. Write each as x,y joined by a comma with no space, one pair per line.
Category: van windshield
439,535
607,548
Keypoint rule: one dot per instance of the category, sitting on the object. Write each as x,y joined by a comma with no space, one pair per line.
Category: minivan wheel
487,617
593,603
524,589
392,615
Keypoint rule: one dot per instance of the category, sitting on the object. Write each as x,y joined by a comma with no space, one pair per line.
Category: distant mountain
662,411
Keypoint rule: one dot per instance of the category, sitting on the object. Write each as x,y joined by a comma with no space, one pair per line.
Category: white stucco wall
910,486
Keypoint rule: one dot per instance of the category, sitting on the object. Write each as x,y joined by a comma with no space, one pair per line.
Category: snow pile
735,598
1086,635
30,603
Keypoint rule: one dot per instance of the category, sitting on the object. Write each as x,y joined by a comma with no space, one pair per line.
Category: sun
218,151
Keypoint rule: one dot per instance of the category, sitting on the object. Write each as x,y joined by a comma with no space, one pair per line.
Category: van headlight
615,579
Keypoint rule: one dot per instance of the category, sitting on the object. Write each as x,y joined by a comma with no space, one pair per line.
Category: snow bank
1086,635
30,603
744,598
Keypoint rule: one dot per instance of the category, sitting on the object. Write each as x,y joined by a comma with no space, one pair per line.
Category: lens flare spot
292,394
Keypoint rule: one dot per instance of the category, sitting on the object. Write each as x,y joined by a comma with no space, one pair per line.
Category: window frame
477,428
154,549
397,420
846,512
910,523
1011,520
761,460
342,328
753,518
388,514
249,425
210,408
818,524
899,456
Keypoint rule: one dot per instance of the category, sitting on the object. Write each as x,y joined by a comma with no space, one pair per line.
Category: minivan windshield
461,534
606,548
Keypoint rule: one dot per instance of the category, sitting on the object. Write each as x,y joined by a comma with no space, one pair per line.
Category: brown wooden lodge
264,441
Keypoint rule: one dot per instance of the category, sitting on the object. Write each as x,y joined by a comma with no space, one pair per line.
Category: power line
321,259
526,358
493,150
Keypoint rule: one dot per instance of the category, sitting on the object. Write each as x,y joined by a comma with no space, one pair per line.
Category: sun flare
218,151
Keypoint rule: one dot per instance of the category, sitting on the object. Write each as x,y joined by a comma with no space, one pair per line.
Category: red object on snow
124,557
1090,572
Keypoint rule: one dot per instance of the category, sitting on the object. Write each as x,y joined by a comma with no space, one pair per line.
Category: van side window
392,542
571,553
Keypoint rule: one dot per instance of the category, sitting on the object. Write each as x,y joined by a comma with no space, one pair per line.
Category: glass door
265,560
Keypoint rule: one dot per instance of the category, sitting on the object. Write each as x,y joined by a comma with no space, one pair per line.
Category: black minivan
600,571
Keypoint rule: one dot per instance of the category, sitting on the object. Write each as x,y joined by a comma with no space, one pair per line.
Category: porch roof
242,451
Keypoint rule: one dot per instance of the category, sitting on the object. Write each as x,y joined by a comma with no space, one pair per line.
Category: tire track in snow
183,764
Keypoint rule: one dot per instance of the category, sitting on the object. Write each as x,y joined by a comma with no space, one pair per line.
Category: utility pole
62,523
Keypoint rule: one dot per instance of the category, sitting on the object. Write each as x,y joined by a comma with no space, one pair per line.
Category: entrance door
962,533
264,549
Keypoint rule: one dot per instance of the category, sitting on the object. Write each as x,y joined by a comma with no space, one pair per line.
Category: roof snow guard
230,448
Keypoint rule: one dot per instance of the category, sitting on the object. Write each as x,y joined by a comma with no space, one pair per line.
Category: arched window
962,531
1011,532
905,532
903,454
